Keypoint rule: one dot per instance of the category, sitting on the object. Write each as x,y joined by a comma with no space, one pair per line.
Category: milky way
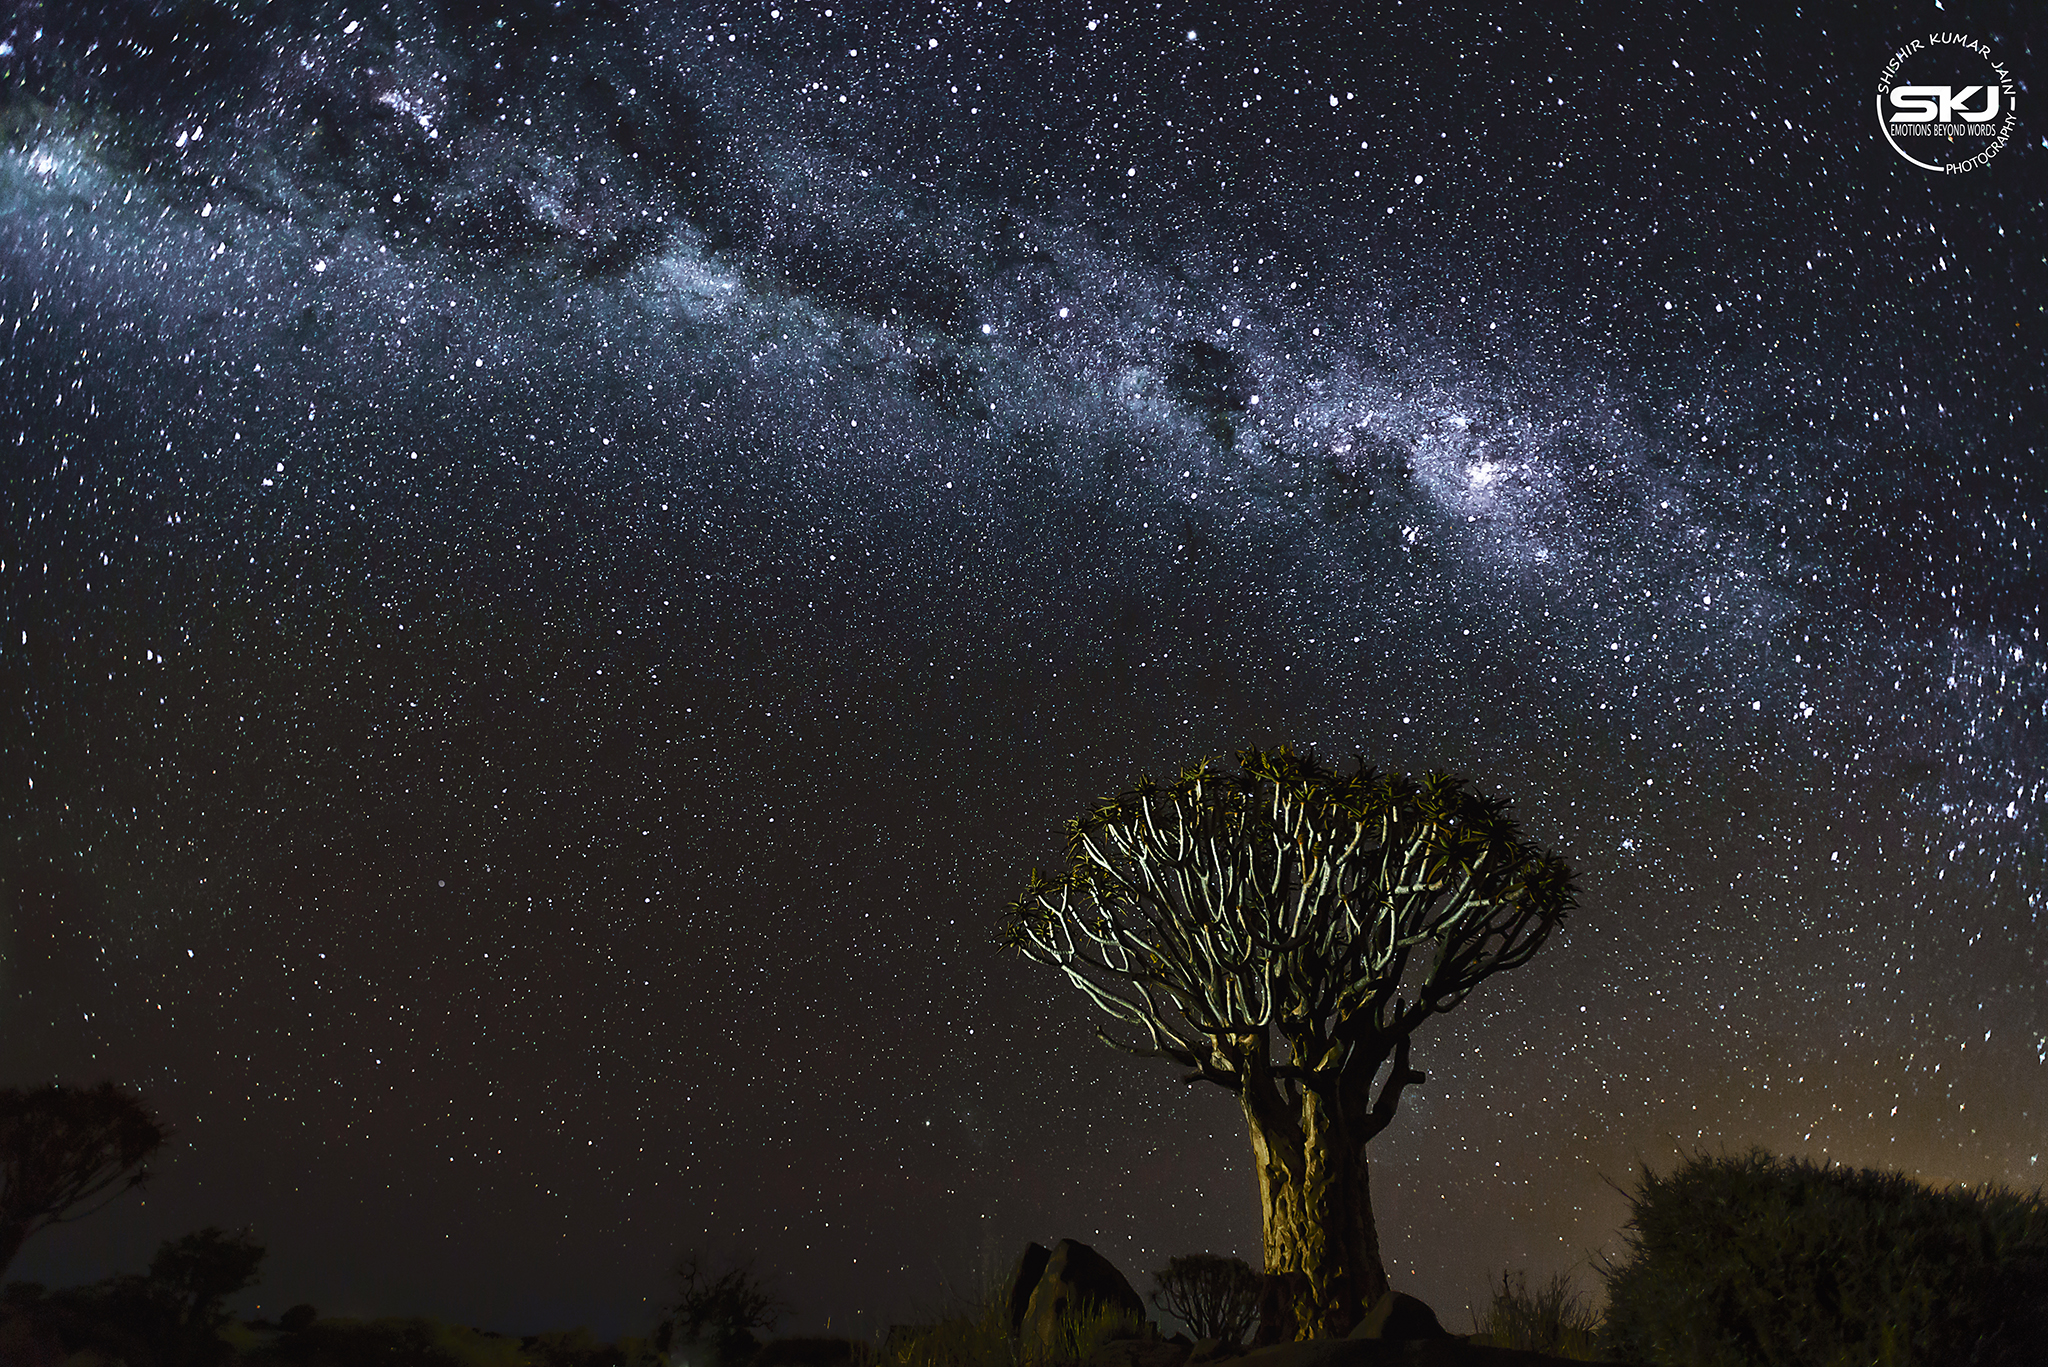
561,563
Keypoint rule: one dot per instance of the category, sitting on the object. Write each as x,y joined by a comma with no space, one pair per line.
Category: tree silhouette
62,1149
197,1273
718,1310
1331,914
1214,1296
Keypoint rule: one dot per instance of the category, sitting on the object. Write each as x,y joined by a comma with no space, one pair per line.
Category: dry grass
974,1332
1553,1319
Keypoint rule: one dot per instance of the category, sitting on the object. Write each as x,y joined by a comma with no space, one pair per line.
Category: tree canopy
1228,911
1287,897
66,1151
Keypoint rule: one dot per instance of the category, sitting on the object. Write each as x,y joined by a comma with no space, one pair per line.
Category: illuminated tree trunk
1315,1205
1226,916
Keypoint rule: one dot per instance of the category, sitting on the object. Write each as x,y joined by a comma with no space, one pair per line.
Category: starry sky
562,561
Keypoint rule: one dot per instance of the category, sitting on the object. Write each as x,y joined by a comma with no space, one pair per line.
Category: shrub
579,1348
395,1342
1081,1331
174,1317
1216,1297
976,1334
718,1312
195,1275
1555,1319
1754,1261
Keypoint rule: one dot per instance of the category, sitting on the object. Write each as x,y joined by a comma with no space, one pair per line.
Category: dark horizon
562,563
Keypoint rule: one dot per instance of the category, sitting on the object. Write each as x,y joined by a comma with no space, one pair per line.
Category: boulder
1023,1281
1076,1278
1399,1316
1215,1350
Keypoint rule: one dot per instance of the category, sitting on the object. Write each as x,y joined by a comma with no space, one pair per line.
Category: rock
1215,1350
1076,1278
1398,1315
1023,1281
1138,1353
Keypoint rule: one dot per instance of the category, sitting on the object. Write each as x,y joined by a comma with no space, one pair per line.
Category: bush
174,1317
1555,1319
976,1334
717,1312
1754,1261
195,1275
1082,1330
579,1348
396,1342
1214,1296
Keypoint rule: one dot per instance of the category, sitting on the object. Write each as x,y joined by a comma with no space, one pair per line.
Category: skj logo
1942,104
1955,126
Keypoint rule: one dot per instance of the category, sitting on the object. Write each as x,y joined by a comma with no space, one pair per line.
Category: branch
1382,1113
1167,1052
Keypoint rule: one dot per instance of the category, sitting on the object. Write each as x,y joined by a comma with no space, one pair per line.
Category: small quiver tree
1214,1296
65,1152
1282,904
712,1321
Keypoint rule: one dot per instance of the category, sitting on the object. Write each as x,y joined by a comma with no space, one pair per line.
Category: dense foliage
172,1317
1753,1261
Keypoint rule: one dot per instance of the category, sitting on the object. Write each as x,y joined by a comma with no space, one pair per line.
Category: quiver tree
1214,1296
718,1310
1281,931
65,1152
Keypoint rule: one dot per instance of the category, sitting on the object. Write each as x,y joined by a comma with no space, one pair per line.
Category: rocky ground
1449,1351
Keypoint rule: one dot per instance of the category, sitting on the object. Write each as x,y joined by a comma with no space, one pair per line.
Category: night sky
561,562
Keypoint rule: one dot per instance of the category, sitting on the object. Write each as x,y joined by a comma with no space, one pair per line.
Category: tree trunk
1316,1206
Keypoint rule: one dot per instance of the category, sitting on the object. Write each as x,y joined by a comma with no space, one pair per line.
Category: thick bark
1316,1208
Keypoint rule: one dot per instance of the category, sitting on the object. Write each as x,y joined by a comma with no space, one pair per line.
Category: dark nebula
562,561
